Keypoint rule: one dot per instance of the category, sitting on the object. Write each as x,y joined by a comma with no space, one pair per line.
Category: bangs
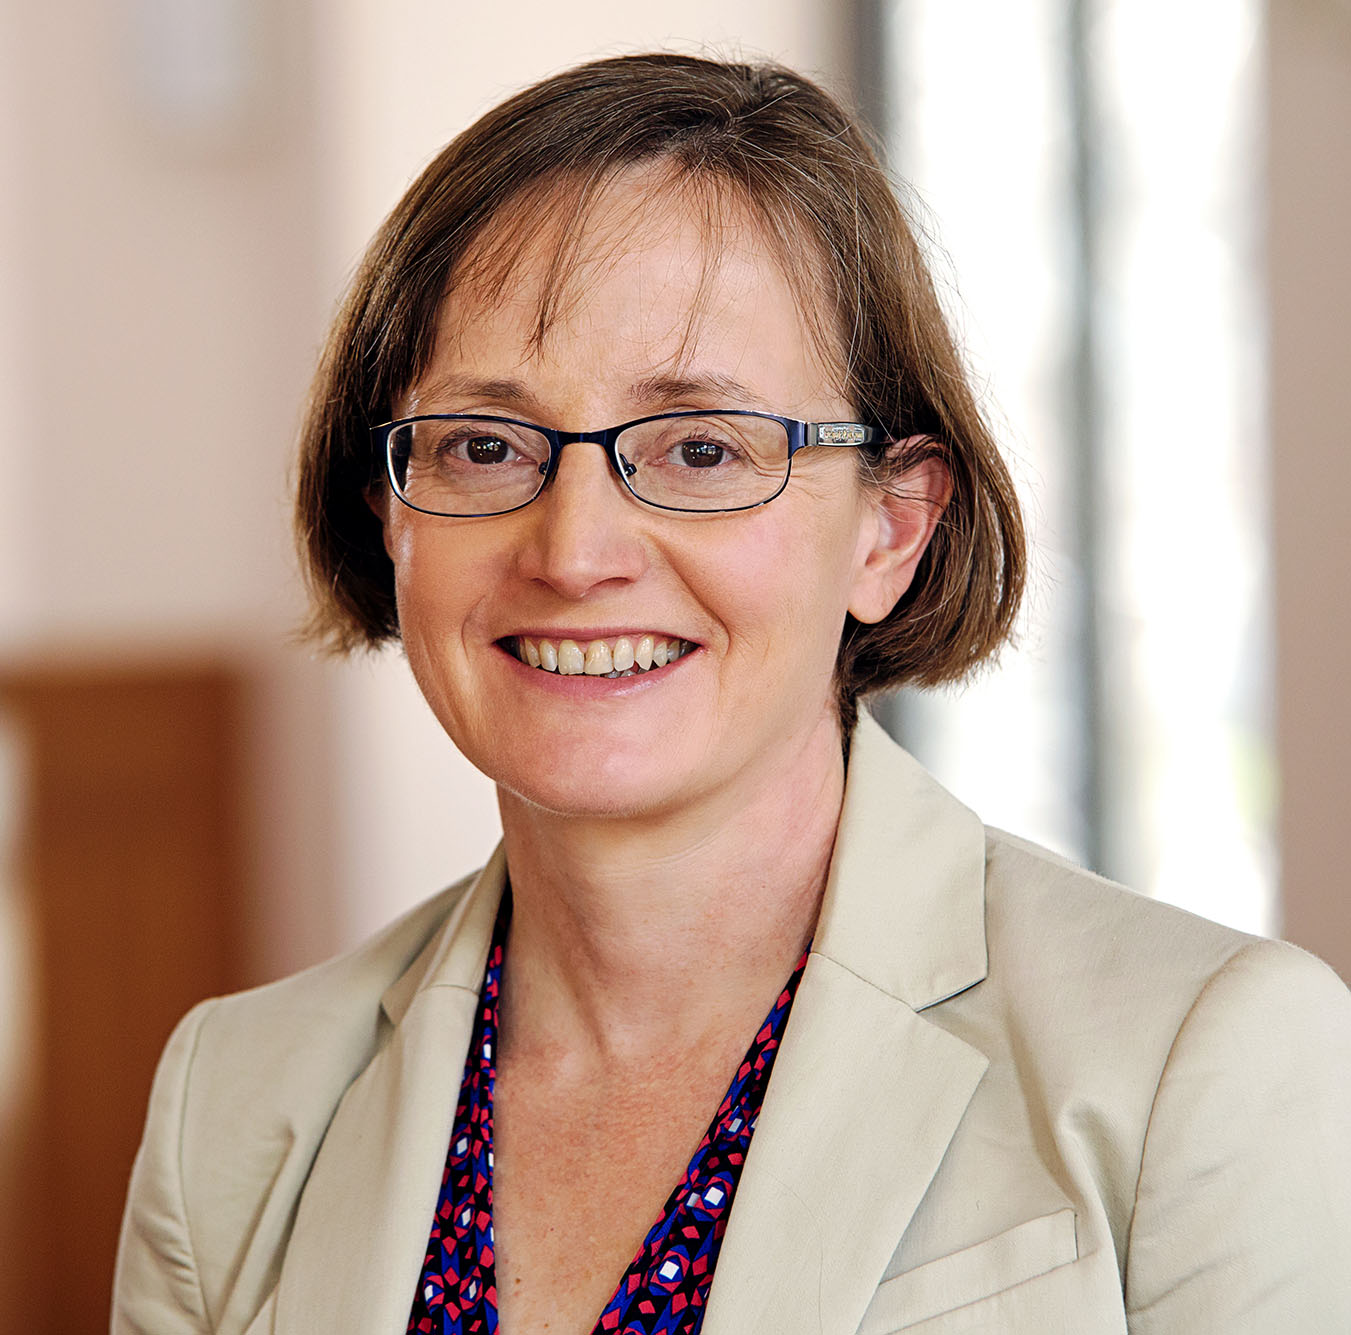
580,225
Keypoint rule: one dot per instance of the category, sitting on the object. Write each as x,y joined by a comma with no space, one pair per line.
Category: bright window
1088,175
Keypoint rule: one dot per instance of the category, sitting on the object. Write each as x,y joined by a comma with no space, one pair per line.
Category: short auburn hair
803,166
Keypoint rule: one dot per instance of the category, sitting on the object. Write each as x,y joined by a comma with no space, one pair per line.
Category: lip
585,634
580,687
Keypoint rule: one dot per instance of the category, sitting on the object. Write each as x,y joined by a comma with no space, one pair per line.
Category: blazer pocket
1020,1253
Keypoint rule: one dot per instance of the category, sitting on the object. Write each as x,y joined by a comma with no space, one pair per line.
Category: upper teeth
619,657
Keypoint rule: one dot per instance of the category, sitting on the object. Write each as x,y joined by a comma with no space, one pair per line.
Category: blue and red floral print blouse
665,1288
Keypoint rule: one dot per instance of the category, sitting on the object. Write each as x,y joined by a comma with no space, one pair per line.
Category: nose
583,531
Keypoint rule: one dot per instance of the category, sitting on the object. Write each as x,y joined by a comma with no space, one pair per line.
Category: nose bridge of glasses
605,438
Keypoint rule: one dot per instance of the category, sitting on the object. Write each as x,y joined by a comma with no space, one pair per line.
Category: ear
377,497
895,534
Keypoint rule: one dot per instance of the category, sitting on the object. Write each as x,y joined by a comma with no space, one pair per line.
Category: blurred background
1138,211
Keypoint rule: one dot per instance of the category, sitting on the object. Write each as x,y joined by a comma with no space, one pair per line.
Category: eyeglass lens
479,466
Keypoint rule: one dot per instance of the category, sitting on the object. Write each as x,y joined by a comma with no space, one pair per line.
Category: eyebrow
498,390
651,392
665,390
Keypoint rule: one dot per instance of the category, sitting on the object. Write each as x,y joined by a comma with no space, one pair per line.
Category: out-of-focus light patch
980,132
1184,453
982,127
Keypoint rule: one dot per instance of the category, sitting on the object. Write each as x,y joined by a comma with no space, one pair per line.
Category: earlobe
905,516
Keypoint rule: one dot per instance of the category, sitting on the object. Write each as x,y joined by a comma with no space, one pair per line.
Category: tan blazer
1011,1097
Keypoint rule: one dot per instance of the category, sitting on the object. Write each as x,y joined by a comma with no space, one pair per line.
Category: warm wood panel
131,853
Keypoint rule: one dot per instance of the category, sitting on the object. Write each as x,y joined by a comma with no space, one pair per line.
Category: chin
586,786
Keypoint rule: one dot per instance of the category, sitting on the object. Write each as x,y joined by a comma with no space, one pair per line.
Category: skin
654,921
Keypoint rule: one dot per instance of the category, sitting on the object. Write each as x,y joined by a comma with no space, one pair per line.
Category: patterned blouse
665,1288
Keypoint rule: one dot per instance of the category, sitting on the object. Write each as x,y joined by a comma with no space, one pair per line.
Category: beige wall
1309,259
161,302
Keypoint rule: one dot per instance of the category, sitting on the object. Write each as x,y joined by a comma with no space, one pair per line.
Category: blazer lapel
865,1096
361,1228
866,1093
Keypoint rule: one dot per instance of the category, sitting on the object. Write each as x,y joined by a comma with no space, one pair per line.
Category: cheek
440,574
788,584
417,591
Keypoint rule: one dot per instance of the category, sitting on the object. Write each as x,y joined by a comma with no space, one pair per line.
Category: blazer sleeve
1242,1220
156,1289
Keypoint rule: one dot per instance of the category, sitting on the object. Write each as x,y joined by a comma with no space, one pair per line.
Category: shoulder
1083,920
323,1021
285,1052
242,1098
1203,1073
1059,935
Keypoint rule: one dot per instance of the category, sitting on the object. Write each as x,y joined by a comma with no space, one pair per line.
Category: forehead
649,267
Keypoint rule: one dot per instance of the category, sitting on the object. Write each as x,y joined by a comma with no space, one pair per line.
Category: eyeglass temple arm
841,433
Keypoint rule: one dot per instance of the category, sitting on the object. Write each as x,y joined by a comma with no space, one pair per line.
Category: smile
623,656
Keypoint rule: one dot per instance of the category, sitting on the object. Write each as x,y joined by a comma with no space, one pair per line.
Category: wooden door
131,856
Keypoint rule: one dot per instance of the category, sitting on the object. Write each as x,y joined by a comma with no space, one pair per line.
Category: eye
700,454
478,448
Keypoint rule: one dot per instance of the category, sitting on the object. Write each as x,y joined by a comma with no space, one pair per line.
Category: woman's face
654,318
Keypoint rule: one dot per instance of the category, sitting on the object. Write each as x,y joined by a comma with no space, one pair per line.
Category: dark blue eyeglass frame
845,435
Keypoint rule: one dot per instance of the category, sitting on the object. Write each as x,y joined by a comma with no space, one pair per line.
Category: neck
631,935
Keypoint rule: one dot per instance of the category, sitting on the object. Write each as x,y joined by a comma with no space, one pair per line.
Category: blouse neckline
665,1287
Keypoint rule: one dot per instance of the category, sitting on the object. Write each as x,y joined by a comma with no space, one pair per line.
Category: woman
642,432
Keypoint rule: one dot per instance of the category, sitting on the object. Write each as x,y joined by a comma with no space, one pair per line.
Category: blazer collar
458,953
360,1233
866,1093
864,1099
904,907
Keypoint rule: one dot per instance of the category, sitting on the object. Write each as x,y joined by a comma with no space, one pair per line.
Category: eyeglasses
464,465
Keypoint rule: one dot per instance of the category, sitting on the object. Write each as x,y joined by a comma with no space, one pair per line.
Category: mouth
619,656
